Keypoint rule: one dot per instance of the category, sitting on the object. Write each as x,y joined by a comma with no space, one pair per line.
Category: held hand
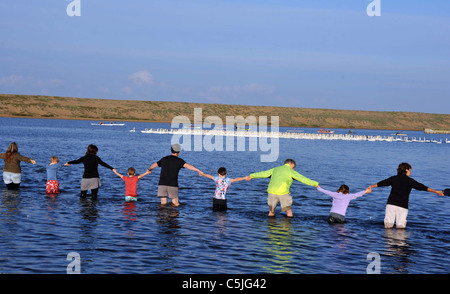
368,190
66,164
440,193
33,161
248,178
200,173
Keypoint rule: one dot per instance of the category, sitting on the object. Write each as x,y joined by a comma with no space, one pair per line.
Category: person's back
401,185
13,165
170,168
281,179
130,185
51,171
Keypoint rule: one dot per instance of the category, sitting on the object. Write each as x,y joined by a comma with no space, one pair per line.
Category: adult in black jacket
401,186
91,177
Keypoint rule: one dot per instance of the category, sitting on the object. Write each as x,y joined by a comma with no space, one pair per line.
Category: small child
52,186
341,200
222,184
131,183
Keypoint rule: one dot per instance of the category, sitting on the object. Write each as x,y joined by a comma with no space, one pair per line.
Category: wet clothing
281,179
219,204
401,188
52,187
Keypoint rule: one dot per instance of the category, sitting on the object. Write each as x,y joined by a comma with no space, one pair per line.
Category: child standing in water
341,200
52,186
131,183
222,184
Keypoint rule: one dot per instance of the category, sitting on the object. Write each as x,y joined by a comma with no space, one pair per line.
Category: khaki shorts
285,201
395,214
167,191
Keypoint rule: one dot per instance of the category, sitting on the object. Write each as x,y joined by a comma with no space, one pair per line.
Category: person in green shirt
281,179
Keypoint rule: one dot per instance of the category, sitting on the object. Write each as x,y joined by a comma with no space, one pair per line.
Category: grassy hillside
155,111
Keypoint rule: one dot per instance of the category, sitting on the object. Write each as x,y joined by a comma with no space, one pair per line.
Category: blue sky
293,53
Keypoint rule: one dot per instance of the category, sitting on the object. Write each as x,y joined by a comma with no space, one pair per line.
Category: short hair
222,171
131,171
290,161
54,158
403,167
344,189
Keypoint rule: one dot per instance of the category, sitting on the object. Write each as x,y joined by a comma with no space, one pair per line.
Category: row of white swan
290,135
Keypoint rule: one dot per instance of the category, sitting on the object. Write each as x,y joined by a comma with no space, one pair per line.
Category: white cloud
141,77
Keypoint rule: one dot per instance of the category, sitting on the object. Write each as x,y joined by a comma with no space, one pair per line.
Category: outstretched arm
153,166
191,167
303,179
262,174
440,193
239,179
119,175
147,172
206,175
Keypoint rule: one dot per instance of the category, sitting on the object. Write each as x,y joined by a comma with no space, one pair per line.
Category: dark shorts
219,204
336,218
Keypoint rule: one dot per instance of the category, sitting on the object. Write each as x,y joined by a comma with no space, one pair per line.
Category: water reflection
129,213
168,242
88,209
278,246
398,249
10,205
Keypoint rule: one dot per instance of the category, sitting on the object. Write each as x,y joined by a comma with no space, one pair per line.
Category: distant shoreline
52,107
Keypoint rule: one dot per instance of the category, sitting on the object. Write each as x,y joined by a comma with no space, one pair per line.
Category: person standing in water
281,179
168,180
91,177
398,200
12,173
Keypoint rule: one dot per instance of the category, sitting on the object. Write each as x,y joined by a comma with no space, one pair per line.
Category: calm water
38,231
